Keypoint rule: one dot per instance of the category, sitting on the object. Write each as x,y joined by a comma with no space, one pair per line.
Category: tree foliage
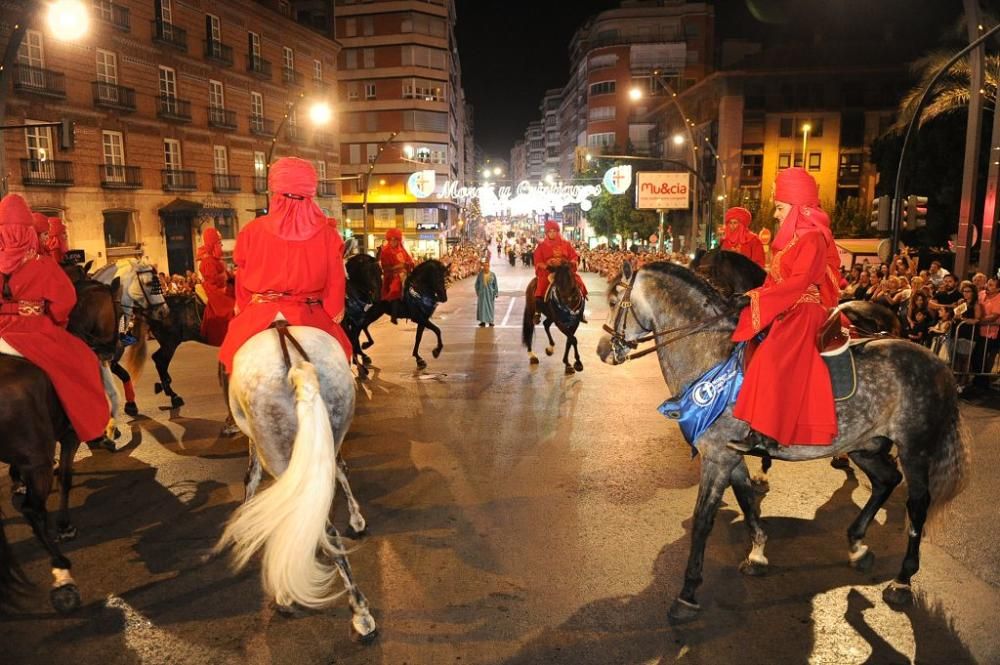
616,214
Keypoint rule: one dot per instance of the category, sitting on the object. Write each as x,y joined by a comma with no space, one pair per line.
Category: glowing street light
486,173
496,170
635,94
589,157
408,151
68,20
678,139
806,128
320,113
550,179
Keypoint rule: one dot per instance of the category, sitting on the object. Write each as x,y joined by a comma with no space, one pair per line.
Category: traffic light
915,212
66,131
881,213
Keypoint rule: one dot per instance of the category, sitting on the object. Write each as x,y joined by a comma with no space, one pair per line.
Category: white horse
295,406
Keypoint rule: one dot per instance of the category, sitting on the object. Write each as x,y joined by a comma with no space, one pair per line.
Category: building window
259,164
320,169
602,140
165,11
752,166
226,226
429,91
602,88
353,93
39,143
603,61
384,218
220,160
423,56
119,231
368,26
168,82
787,128
599,113
434,153
30,52
289,58
172,154
285,7
784,160
351,27
815,159
317,71
372,151
213,27
369,91
850,165
107,67
351,58
355,153
254,45
104,11
216,95
114,149
369,57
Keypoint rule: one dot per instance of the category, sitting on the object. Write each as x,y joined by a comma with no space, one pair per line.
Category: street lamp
368,176
635,94
806,128
678,140
68,20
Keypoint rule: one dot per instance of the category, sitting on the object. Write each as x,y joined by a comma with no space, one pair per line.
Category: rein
670,335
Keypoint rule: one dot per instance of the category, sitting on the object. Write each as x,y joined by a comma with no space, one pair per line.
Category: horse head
566,289
143,290
430,278
729,273
365,275
94,318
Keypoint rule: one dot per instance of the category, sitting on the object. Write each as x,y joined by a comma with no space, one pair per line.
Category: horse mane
687,277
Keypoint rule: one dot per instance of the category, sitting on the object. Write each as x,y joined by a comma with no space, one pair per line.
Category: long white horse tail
289,519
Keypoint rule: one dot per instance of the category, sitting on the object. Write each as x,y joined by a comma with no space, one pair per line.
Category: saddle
837,341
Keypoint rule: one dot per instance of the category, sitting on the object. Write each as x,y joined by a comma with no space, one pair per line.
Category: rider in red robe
396,263
739,238
57,242
551,252
35,304
786,396
41,225
215,280
288,262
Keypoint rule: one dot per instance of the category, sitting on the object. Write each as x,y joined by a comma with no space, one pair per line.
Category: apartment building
403,110
176,110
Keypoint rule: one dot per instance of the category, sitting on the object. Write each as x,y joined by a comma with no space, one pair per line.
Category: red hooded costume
395,262
288,262
552,252
34,309
57,242
786,394
215,280
741,239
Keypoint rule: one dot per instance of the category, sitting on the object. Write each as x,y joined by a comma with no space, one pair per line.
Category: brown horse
31,421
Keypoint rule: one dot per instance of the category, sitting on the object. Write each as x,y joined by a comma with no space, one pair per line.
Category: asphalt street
517,516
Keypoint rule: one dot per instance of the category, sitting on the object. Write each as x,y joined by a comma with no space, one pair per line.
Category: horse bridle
620,342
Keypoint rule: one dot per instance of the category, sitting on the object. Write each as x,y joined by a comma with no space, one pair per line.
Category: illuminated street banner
421,184
662,190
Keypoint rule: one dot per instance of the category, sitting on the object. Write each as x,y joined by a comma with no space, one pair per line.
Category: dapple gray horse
905,397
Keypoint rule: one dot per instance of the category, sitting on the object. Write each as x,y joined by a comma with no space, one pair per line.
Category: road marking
510,307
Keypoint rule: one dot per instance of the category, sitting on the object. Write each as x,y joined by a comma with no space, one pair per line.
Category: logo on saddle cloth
705,399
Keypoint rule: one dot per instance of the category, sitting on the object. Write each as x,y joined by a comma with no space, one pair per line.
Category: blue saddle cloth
702,401
419,307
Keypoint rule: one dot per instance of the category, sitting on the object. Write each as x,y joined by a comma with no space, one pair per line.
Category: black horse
182,324
364,289
563,306
424,289
31,421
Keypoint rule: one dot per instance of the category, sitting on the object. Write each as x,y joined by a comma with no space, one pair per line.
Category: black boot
394,312
102,443
756,444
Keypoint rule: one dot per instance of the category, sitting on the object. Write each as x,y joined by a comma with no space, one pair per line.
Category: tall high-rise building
402,110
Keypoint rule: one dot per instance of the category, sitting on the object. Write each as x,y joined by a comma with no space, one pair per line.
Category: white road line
510,308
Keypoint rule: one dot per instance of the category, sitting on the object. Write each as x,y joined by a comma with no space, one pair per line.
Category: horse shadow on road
811,607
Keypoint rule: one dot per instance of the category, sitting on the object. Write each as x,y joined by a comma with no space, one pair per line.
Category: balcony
219,52
171,108
118,176
176,180
295,134
112,14
291,76
39,81
169,34
113,96
260,184
224,183
221,118
326,188
258,66
46,173
326,140
261,126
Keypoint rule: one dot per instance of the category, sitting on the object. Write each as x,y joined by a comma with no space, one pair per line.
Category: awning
180,208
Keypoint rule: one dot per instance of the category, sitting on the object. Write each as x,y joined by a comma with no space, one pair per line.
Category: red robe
555,251
395,263
786,393
219,308
300,271
752,248
42,339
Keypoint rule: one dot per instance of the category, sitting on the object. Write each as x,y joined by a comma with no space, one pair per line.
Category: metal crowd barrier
969,353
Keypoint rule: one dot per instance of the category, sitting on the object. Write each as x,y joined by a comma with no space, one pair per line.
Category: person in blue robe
487,291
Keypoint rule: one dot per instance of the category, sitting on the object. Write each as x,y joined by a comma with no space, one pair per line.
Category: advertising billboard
662,190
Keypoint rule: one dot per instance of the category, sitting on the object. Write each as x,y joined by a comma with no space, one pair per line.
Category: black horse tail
135,355
528,322
949,470
12,580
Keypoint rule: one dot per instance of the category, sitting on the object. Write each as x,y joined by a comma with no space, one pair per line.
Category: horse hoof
570,370
356,534
549,350
421,363
65,533
363,628
366,361
363,371
367,345
897,596
65,599
437,352
751,569
865,563
682,611
533,360
578,366
176,401
760,485
841,463
157,388
131,409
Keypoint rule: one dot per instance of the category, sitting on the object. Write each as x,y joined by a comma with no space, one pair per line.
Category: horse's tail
949,465
289,519
12,580
134,358
528,321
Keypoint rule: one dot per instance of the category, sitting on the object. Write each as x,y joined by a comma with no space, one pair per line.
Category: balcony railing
172,108
326,140
216,50
261,126
112,14
291,76
259,184
169,34
40,81
47,173
111,95
221,118
326,188
118,176
295,134
225,183
177,180
258,66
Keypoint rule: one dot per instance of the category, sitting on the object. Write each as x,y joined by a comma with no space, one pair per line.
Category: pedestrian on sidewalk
487,291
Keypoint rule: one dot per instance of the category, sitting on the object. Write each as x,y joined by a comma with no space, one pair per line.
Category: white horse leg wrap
859,551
